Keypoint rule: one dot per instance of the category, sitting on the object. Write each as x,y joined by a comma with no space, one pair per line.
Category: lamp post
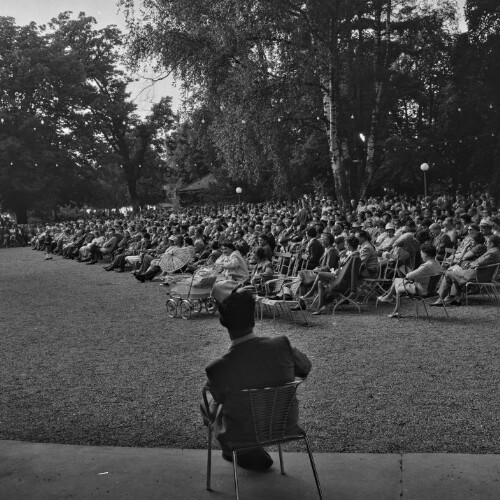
238,192
424,167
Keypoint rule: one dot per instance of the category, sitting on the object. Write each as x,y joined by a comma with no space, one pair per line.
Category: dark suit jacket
342,281
315,251
256,363
329,259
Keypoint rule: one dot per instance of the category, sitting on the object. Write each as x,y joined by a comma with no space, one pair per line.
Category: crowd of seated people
242,240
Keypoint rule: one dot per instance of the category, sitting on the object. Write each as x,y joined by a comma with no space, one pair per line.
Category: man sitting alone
250,362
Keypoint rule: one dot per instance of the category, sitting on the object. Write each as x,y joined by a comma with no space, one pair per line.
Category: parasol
175,258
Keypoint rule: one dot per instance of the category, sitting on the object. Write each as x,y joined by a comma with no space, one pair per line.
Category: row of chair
282,293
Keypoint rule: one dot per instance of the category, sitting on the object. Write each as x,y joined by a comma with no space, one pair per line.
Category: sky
105,12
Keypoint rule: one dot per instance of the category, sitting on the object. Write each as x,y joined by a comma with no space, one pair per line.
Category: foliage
67,122
272,74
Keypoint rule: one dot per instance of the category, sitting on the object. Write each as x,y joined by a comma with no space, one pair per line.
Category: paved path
49,471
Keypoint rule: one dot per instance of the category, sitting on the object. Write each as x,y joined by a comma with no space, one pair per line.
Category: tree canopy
68,129
374,78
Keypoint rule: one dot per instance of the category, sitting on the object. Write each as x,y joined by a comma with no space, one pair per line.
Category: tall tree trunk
21,212
132,176
381,64
336,159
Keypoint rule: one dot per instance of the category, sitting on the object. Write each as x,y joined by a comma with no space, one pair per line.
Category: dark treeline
346,96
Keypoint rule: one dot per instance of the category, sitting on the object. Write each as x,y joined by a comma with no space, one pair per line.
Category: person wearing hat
234,268
455,278
486,227
440,240
465,245
387,242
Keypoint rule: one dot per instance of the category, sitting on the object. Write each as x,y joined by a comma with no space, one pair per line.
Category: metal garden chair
484,281
269,409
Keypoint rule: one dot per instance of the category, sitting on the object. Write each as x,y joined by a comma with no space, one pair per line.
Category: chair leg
426,311
304,317
235,470
446,311
209,457
313,466
280,452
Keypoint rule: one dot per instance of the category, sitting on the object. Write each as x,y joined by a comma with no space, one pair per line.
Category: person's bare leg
313,288
395,313
387,297
321,292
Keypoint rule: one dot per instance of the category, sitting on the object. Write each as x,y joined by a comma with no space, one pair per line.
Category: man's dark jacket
255,363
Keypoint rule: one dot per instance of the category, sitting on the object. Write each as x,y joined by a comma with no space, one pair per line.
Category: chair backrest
270,408
486,274
300,262
282,263
433,285
390,270
355,270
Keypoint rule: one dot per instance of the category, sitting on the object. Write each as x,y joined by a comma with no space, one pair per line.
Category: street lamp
424,167
238,192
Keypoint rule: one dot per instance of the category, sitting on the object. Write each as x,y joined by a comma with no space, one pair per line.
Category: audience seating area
291,253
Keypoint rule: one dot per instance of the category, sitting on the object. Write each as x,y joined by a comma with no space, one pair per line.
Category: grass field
90,357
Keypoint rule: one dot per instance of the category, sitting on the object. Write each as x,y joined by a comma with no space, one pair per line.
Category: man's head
435,229
237,314
493,241
327,239
311,232
428,252
363,236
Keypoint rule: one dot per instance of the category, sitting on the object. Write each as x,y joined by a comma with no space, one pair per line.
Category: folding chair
282,263
349,294
372,287
276,298
300,262
269,409
485,281
431,292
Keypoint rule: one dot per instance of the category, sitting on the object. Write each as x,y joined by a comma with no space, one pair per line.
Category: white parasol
175,258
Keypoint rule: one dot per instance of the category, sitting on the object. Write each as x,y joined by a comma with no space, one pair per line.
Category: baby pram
192,295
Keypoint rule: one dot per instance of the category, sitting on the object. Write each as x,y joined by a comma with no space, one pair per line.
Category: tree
273,72
106,118
66,119
37,81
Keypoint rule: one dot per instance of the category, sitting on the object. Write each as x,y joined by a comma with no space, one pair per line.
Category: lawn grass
90,357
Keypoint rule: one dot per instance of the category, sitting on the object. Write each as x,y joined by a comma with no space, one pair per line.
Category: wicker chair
269,408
